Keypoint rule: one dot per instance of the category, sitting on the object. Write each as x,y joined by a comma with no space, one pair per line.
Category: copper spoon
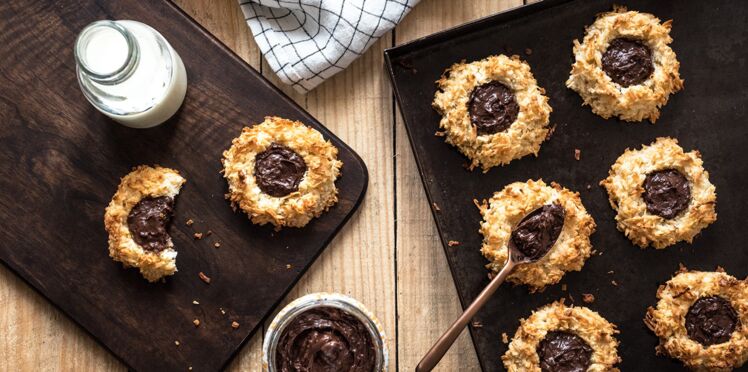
444,342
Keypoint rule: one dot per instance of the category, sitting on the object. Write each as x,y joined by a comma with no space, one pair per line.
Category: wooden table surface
388,256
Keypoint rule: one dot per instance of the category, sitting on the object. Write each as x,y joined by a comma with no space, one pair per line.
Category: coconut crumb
196,322
453,243
614,283
288,266
588,298
194,302
551,130
217,244
505,338
436,207
189,222
477,324
176,342
577,154
198,236
204,277
528,51
234,325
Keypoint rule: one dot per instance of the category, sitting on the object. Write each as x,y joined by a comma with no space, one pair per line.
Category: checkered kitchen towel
307,41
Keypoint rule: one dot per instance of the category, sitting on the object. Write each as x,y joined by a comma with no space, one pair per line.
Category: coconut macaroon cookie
281,172
492,110
557,337
701,318
624,66
661,193
546,223
138,217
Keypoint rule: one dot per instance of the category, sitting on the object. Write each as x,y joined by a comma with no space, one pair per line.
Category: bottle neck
106,52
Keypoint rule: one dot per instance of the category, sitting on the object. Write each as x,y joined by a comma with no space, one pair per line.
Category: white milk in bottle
129,72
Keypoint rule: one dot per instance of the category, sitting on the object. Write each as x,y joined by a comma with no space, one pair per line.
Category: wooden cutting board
61,161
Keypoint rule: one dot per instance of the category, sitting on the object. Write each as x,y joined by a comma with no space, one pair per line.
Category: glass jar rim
120,73
322,299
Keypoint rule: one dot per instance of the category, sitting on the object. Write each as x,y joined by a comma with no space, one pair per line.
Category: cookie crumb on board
196,322
189,222
234,325
563,287
204,277
453,243
588,298
217,245
197,236
436,207
194,302
614,283
528,51
477,324
505,338
176,342
577,154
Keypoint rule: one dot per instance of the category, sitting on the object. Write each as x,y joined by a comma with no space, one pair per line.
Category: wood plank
357,105
426,295
224,19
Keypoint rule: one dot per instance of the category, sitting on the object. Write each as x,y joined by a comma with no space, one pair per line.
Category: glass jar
129,72
310,301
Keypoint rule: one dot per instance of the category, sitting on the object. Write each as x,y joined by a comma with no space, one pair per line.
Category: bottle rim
120,73
323,299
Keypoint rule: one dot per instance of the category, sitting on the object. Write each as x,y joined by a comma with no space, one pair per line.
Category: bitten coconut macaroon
281,172
138,217
624,67
492,110
662,194
548,224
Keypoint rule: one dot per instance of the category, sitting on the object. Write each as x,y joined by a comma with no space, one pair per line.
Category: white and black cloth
307,41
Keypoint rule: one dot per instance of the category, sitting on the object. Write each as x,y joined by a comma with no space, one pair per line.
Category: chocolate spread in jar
538,231
148,221
279,170
564,352
711,320
492,108
325,339
627,62
667,193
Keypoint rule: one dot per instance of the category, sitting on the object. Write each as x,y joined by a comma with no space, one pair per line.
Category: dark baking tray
60,163
709,115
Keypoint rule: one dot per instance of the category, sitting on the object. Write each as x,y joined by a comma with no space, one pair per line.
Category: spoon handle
441,346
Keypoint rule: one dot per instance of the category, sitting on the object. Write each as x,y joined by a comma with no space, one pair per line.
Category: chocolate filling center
711,320
627,62
538,231
492,108
667,193
148,221
325,339
279,170
564,352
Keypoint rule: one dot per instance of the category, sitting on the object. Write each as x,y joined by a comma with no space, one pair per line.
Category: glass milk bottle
129,72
